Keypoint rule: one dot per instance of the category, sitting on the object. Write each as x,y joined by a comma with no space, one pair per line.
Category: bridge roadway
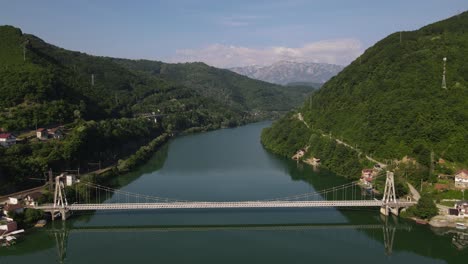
221,205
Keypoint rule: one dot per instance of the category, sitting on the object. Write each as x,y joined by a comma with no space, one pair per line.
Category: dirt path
301,118
382,165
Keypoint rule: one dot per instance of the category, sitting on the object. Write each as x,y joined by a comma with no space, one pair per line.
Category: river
227,165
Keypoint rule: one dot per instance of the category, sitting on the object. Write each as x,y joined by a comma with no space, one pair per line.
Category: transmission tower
444,84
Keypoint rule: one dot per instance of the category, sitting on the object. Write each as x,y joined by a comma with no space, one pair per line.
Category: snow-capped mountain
284,72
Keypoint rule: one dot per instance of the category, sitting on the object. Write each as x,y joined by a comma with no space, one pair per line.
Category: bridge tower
60,200
389,196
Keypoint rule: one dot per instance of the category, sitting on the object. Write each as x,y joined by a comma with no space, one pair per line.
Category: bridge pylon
60,199
389,196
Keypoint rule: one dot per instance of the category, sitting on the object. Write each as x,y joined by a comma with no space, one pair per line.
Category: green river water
228,165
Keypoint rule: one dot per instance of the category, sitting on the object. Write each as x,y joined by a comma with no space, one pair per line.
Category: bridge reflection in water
60,231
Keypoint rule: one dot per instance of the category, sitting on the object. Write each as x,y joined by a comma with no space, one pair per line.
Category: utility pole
51,176
432,164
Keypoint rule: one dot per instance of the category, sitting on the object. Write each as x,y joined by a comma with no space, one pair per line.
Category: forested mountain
286,72
99,102
223,85
390,102
48,84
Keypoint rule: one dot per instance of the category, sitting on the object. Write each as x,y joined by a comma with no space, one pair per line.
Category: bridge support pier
386,210
54,214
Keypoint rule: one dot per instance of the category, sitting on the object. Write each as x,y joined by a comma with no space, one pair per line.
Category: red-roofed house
7,139
41,133
461,178
7,227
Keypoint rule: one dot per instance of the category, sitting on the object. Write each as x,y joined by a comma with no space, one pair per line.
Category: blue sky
223,33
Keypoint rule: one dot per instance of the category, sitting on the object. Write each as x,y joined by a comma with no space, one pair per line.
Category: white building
13,200
461,178
70,180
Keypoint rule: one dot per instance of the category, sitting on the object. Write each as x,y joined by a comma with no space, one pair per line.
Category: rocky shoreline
451,221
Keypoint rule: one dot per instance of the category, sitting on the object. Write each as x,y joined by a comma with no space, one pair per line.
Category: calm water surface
225,165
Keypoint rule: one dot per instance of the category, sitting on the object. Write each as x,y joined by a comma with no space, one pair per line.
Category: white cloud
340,51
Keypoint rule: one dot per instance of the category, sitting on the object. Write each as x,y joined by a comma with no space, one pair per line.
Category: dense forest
101,103
223,85
389,103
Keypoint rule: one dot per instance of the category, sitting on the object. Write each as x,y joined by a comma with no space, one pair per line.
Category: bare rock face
287,72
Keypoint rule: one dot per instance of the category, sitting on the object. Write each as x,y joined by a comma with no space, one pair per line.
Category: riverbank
451,221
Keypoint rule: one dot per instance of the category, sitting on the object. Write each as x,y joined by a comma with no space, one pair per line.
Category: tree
426,208
32,215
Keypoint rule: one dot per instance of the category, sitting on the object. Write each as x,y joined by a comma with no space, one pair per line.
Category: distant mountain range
286,72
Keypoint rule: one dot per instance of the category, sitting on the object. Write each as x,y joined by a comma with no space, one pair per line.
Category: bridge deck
220,205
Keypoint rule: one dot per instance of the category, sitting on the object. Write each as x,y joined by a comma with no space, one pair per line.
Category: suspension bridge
91,197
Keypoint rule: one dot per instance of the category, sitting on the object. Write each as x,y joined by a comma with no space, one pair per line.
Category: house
14,200
462,207
7,139
7,227
32,198
41,133
367,173
56,133
17,208
461,178
299,154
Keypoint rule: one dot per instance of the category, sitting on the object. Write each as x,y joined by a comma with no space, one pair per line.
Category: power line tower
25,44
444,84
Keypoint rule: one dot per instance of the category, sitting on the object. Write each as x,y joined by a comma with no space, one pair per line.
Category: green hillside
52,83
99,100
389,101
224,86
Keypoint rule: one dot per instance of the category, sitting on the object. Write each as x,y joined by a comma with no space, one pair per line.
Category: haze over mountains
287,72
